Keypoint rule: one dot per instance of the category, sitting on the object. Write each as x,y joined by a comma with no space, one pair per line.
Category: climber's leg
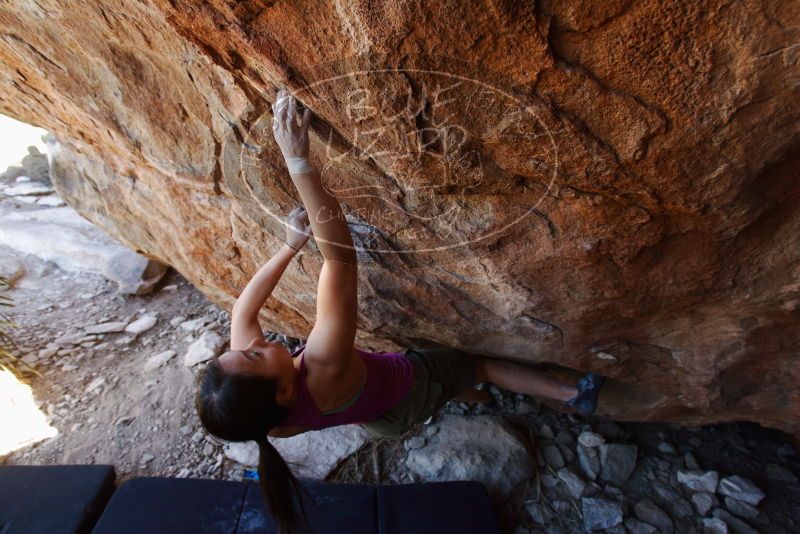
520,378
481,396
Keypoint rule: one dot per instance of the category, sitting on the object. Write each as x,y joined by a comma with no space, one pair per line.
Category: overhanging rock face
611,186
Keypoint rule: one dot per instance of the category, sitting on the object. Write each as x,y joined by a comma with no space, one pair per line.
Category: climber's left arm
244,316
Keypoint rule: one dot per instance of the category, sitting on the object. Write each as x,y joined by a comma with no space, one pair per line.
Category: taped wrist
298,165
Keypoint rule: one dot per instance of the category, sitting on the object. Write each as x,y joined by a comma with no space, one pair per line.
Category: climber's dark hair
238,407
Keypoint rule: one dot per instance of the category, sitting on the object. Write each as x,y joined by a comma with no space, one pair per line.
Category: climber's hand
289,128
298,228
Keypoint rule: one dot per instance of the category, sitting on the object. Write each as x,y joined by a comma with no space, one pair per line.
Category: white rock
314,454
69,339
94,384
712,525
245,453
106,328
741,509
194,324
154,362
53,201
703,502
702,481
606,356
62,236
482,448
415,442
142,324
741,489
48,351
590,439
175,321
27,188
204,348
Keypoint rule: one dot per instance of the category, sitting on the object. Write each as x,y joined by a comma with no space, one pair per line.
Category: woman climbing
258,389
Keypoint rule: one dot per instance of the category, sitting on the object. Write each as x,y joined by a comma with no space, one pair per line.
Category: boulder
35,167
737,526
552,456
618,462
647,512
589,461
482,448
704,502
590,439
111,327
62,236
600,513
607,186
714,525
538,513
26,189
575,484
741,509
12,269
154,362
741,489
704,481
310,454
637,527
142,324
202,349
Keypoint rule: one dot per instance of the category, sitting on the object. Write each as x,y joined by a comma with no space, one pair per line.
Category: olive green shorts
439,375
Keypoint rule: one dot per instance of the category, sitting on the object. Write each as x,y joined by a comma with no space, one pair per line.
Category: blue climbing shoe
585,402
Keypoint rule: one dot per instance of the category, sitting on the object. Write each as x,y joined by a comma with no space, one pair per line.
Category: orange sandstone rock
609,186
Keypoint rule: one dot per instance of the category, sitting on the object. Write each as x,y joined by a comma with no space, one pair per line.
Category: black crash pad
164,505
173,505
336,508
435,507
53,499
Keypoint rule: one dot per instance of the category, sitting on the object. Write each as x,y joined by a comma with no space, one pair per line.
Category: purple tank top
389,378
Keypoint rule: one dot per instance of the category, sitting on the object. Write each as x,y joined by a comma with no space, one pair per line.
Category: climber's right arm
325,214
333,335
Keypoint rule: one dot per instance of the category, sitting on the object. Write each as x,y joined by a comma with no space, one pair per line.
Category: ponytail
280,487
237,407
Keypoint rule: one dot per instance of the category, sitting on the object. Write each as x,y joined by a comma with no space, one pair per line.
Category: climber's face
261,357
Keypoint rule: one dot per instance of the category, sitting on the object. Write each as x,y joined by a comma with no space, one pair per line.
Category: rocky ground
116,378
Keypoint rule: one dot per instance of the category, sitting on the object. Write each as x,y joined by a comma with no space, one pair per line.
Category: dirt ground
106,408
